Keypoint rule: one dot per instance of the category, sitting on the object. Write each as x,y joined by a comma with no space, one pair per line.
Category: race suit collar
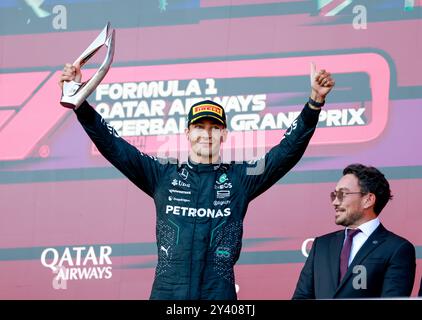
202,167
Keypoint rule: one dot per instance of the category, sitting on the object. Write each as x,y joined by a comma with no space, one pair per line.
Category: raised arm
260,175
143,170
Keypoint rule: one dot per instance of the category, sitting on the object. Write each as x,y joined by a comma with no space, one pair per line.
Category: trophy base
68,105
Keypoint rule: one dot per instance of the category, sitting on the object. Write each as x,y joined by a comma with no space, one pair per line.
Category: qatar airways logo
77,263
197,212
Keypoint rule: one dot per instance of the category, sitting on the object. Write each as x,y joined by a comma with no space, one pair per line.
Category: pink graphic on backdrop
19,86
35,119
5,115
370,63
42,112
220,38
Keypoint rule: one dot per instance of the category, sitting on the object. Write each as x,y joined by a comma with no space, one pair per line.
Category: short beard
351,219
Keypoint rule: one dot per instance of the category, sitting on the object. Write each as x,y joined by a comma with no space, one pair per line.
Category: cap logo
207,108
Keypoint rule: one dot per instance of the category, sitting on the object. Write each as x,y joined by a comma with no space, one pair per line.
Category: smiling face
205,136
352,211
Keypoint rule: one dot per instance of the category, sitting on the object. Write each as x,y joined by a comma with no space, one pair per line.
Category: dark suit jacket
388,260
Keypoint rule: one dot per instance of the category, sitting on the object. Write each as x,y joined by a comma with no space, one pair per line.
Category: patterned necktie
345,252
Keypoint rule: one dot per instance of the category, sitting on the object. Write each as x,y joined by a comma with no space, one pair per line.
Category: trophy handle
75,93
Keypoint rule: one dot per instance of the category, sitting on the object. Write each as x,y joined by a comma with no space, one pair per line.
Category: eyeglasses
340,195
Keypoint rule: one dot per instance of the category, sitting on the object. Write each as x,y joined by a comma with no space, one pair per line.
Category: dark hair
371,180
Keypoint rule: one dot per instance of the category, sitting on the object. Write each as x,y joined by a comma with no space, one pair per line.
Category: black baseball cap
207,109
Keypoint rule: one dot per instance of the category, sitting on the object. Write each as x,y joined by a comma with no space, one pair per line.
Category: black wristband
316,104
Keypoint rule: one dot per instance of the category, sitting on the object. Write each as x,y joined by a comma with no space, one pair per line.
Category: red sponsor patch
207,108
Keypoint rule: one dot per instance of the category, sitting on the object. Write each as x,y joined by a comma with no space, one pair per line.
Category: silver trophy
74,93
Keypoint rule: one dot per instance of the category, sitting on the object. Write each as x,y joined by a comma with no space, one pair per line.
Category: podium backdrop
72,227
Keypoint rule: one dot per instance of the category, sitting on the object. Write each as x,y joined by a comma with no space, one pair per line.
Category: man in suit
364,260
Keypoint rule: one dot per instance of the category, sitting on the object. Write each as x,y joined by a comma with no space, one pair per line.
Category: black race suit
200,207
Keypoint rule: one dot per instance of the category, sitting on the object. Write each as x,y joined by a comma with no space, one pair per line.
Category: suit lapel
336,245
374,240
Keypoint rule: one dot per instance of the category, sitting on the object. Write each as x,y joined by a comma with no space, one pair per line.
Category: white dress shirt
359,239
